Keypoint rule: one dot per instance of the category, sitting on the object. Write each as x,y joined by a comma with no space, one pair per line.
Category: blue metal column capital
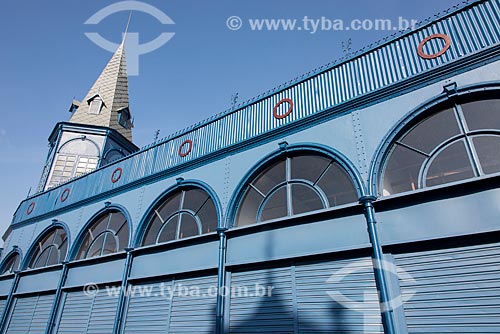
380,277
221,280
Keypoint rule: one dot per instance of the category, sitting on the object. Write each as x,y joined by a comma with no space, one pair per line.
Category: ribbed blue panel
2,305
102,317
75,316
148,308
300,300
452,291
470,31
30,315
180,306
88,314
338,297
194,312
253,311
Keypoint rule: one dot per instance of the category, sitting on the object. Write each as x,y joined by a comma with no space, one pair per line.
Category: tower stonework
99,130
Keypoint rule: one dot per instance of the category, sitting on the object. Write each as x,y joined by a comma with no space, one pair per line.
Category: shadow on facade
276,314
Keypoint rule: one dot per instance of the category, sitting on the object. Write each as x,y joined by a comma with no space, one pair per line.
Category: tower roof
112,89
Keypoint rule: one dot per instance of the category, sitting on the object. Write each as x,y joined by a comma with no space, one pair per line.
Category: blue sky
46,60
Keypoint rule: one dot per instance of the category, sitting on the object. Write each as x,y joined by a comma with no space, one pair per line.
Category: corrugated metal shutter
456,290
179,306
2,305
88,314
75,312
148,308
195,312
337,297
30,314
254,310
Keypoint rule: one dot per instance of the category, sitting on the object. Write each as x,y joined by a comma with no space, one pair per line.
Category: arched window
51,249
108,234
11,264
75,157
294,185
458,142
185,213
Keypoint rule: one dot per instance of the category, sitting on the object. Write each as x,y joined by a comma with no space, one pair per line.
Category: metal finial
126,28
157,133
346,46
234,99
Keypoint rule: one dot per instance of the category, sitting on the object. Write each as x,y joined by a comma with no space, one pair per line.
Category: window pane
117,222
169,231
63,250
152,231
53,257
308,167
41,260
208,217
271,177
100,226
171,205
47,240
482,114
452,164
15,265
194,199
337,186
248,209
431,132
275,206
11,265
95,249
83,249
110,244
60,237
189,228
488,151
305,199
123,237
401,172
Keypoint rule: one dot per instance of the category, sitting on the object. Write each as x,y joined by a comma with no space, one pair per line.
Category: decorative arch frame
14,251
111,150
31,250
181,184
407,121
284,150
73,251
80,138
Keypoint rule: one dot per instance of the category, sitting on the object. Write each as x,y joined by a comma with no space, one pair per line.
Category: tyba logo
134,49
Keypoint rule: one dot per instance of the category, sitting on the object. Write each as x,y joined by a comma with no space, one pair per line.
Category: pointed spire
111,88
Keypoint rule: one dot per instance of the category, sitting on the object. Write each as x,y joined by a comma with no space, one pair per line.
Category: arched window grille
295,185
108,234
458,142
185,213
51,249
11,264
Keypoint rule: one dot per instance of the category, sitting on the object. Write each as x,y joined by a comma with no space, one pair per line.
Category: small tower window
73,108
124,118
95,105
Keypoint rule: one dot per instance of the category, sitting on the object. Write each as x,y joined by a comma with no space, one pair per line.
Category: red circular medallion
117,174
288,112
30,208
64,195
182,152
447,44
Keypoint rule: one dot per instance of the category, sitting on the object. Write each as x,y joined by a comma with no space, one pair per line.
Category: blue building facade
362,198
